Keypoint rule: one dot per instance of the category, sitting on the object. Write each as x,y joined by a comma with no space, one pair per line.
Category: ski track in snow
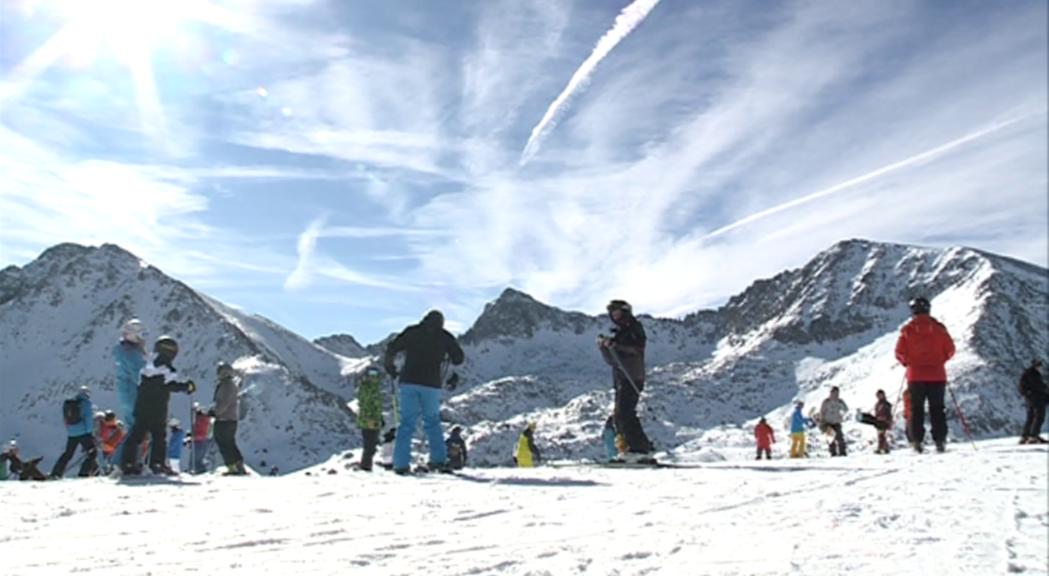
966,512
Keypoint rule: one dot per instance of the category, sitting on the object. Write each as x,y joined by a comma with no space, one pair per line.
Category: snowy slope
966,513
60,315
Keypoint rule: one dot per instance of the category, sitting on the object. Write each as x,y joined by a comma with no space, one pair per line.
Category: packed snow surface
974,510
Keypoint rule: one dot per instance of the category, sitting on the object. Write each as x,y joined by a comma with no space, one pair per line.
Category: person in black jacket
625,352
1036,396
456,447
426,346
156,383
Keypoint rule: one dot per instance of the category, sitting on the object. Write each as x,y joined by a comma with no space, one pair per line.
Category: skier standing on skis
111,434
832,411
924,347
798,424
369,414
158,381
1036,395
77,413
456,447
625,353
426,346
527,454
881,419
201,431
129,354
226,412
765,438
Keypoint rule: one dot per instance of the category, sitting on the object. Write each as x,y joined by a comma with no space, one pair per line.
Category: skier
456,447
175,443
79,431
5,459
201,431
831,412
1036,395
527,454
924,346
226,412
426,346
608,436
111,434
129,355
625,352
158,380
25,470
798,423
765,438
881,419
369,414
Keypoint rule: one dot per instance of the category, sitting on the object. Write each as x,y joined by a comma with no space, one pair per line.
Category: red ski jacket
924,347
765,437
201,426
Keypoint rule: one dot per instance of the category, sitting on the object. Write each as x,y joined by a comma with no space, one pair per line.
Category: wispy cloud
631,16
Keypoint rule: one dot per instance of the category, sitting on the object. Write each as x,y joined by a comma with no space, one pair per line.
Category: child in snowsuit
175,442
201,432
765,438
369,414
798,424
527,454
456,447
157,382
111,434
881,420
608,436
77,414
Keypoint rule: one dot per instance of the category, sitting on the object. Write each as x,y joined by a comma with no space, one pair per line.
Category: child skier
111,434
798,424
456,447
175,442
369,414
765,438
201,432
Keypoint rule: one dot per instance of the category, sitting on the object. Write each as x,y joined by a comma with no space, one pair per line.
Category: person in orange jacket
924,347
111,433
765,438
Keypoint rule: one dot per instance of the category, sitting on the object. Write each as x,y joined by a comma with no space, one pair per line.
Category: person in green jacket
369,413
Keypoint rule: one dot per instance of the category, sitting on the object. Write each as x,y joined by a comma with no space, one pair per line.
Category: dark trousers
766,451
933,392
837,445
158,442
226,438
627,422
371,442
1035,417
87,442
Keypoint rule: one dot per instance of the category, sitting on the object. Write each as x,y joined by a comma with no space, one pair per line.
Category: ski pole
619,364
961,416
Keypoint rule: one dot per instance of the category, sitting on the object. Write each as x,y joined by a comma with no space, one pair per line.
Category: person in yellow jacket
527,453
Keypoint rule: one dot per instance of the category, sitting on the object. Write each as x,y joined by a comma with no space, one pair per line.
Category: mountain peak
515,314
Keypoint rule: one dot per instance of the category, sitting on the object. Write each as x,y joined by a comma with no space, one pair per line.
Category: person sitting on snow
25,470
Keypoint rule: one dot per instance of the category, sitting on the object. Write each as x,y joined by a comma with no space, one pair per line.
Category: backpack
71,412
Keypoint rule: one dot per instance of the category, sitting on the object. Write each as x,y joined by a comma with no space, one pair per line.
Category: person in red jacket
924,347
764,436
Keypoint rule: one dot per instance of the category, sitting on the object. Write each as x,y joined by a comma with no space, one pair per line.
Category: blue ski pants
415,400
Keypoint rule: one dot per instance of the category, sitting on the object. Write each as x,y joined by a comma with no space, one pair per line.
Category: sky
344,167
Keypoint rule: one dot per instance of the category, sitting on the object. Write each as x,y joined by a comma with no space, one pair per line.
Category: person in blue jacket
129,356
798,424
175,442
608,436
80,432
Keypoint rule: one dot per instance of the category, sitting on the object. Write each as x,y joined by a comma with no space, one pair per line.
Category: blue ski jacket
86,426
175,443
799,422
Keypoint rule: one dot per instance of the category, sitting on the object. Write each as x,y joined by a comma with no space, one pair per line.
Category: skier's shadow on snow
522,481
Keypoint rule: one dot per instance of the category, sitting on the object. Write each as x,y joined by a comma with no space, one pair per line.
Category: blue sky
346,166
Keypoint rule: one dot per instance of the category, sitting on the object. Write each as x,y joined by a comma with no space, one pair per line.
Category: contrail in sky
625,23
916,159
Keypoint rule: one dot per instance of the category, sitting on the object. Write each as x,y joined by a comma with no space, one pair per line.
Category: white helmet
12,446
133,331
174,423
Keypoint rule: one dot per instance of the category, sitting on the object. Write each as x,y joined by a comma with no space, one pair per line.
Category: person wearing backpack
1036,395
158,380
924,347
456,447
369,414
77,413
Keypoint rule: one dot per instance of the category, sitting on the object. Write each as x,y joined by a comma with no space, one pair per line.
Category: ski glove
452,381
191,386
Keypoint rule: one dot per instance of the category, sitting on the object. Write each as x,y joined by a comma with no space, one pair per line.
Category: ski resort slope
967,512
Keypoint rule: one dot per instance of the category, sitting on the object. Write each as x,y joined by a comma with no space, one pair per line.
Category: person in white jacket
832,411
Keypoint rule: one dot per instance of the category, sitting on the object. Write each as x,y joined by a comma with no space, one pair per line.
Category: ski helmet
224,370
120,424
133,331
619,305
110,415
174,423
85,390
11,447
166,348
920,305
100,415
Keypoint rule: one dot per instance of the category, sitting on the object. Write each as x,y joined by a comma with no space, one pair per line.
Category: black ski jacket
1032,387
154,391
425,346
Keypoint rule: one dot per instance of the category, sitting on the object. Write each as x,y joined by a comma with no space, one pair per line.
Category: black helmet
920,305
618,305
166,347
110,415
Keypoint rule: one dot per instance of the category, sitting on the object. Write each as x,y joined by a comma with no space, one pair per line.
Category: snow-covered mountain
710,374
61,314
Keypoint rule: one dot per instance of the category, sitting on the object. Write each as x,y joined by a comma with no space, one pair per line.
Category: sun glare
126,29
